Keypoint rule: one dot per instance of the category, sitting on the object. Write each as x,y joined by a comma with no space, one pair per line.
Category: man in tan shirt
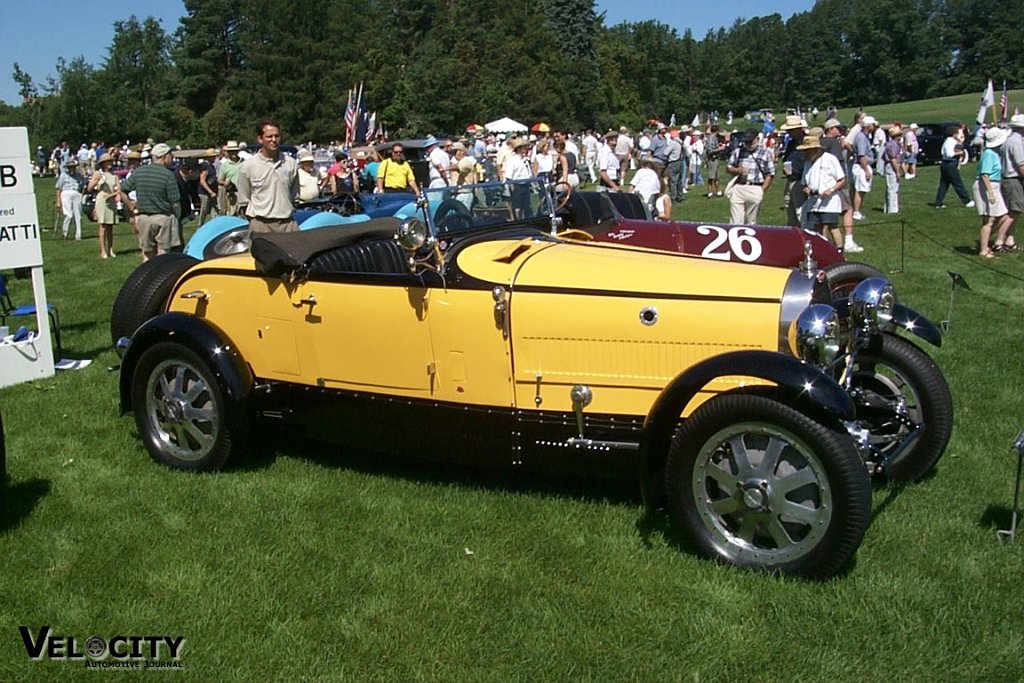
268,181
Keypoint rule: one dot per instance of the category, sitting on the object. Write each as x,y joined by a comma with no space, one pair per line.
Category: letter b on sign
8,178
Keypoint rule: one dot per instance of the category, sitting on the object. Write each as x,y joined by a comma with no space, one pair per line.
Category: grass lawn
314,563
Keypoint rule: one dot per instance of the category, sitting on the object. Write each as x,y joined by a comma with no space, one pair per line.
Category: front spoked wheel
180,409
904,407
754,483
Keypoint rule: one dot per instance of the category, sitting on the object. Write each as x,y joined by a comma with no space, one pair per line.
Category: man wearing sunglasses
395,174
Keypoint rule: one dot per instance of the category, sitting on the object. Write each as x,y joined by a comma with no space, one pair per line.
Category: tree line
439,65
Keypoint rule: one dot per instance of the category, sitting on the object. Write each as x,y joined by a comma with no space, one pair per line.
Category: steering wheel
562,191
453,215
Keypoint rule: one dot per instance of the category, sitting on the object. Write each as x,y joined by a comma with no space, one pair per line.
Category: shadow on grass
617,488
18,501
997,517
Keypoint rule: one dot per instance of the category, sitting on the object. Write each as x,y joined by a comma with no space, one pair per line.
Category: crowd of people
828,171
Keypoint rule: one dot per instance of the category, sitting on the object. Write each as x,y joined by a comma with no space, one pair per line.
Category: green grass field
963,108
315,563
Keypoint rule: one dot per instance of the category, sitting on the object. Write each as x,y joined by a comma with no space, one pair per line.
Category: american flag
350,116
1004,104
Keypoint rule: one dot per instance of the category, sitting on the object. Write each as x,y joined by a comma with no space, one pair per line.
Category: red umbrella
474,128
540,128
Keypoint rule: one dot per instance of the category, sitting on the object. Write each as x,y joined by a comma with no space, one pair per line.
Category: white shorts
986,208
861,182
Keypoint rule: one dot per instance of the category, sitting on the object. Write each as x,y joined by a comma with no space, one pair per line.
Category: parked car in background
930,137
477,331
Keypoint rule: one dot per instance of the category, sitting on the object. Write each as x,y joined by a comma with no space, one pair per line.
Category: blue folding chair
9,310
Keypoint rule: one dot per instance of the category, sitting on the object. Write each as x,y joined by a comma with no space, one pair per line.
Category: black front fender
910,320
205,339
799,382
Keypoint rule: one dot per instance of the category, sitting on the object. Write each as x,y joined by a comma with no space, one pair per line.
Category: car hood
603,268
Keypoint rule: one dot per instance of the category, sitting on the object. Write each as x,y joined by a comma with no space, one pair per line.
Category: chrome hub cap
181,410
762,493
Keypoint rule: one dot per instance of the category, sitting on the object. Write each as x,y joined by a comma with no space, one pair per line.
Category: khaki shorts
157,232
273,225
1013,194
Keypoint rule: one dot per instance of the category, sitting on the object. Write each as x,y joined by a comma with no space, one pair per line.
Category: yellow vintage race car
475,331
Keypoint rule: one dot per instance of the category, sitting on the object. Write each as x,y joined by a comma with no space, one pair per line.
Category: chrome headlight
814,335
412,234
871,304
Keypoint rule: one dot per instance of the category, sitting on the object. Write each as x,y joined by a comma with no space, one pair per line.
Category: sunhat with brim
519,142
895,130
833,123
305,155
793,122
232,146
71,162
104,158
1017,121
430,141
995,137
810,142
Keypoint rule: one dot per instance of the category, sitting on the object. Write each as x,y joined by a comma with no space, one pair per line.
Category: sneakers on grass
970,204
858,216
852,247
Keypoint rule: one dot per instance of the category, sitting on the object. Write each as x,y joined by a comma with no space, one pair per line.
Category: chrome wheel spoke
726,479
201,437
791,482
779,534
741,457
800,513
725,506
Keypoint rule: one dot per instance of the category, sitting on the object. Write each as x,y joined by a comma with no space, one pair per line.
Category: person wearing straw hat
69,196
207,185
227,179
823,180
108,193
1012,185
892,154
987,195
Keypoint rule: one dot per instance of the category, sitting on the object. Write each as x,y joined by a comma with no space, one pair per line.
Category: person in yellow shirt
395,174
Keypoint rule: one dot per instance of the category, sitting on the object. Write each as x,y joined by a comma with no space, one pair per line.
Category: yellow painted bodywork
575,318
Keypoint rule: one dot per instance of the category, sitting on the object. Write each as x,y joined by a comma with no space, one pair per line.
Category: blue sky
35,33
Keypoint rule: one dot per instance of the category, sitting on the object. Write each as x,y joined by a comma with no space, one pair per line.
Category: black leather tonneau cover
277,254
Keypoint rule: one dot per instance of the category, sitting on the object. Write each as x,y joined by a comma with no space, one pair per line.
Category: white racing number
737,240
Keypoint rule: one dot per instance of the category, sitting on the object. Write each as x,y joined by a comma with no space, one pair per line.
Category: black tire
805,515
843,277
180,409
144,294
897,386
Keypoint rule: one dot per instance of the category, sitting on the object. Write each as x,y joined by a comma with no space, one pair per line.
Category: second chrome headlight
814,335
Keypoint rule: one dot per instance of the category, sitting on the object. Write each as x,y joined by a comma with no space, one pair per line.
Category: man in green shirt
157,203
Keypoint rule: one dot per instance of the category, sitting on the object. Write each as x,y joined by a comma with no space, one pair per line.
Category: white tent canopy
506,125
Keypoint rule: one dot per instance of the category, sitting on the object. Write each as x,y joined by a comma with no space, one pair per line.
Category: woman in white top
542,161
823,179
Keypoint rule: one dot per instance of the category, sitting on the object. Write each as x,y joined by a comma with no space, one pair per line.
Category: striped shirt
156,189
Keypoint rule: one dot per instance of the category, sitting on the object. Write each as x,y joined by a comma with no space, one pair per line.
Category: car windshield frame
453,211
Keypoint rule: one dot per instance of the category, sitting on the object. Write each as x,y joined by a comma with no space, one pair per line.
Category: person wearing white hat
862,163
157,204
1012,185
309,184
987,196
69,196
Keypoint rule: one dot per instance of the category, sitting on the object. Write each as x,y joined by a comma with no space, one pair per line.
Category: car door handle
306,301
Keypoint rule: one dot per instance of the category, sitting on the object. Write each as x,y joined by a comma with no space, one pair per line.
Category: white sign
20,236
